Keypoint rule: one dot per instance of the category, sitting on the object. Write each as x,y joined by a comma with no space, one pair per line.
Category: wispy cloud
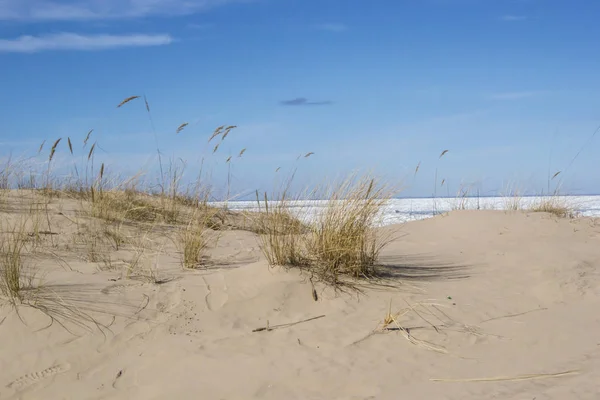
513,18
301,101
332,27
77,10
73,41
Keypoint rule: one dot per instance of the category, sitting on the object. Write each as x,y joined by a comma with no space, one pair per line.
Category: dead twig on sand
509,378
270,328
514,315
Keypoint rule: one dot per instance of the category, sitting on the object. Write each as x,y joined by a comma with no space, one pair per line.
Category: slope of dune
478,294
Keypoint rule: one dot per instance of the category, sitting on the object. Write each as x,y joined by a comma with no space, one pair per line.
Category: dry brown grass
342,242
15,276
280,232
193,239
555,205
512,197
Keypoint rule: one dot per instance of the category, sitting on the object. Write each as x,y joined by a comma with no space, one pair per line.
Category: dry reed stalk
527,377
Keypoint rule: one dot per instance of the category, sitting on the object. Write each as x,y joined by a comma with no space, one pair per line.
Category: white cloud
76,10
513,18
74,41
331,27
513,95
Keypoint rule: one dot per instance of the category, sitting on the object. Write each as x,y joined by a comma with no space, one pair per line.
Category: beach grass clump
118,205
555,205
193,243
512,197
193,239
342,240
15,275
280,232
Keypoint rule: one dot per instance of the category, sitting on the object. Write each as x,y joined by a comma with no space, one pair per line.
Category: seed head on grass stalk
181,127
227,130
87,137
91,152
127,100
555,175
216,133
53,149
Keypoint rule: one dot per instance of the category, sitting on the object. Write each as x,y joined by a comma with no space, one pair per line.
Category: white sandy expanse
494,294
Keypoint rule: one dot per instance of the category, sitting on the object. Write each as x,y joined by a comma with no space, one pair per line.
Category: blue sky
510,88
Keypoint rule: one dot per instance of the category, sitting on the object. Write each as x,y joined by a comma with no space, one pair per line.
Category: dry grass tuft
512,198
15,277
193,240
555,205
280,232
342,242
432,317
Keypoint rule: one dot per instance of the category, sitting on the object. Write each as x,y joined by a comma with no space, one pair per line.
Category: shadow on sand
420,267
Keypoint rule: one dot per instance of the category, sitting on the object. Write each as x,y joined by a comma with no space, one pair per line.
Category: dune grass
341,242
556,205
280,231
15,275
193,238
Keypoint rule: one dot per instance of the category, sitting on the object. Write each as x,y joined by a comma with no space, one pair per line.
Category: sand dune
493,294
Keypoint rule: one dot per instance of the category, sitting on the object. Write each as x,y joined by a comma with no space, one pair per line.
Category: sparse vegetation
344,240
15,276
340,242
193,240
555,205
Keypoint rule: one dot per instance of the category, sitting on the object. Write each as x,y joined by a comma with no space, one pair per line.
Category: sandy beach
474,305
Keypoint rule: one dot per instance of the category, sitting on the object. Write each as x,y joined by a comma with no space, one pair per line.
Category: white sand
526,285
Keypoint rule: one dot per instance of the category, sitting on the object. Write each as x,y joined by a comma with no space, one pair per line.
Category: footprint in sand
217,291
34,377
